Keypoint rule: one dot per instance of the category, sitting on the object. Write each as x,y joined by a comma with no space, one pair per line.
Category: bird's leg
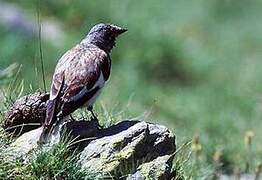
93,116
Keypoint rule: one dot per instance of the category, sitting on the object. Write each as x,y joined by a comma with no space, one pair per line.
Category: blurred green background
195,66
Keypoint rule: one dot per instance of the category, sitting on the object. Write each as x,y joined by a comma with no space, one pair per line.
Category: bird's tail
52,109
49,120
50,112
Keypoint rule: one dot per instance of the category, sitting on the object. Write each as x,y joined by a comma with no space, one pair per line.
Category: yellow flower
248,137
217,156
196,146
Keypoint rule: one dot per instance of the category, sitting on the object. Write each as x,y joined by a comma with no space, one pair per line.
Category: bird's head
104,35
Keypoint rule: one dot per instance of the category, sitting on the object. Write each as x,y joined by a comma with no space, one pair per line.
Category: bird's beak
118,30
121,30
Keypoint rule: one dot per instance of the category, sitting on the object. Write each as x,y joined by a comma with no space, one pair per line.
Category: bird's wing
58,86
105,66
84,83
81,78
74,80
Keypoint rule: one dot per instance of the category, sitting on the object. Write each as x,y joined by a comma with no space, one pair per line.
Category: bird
80,75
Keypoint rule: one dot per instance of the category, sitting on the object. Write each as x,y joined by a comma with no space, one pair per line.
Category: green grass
56,163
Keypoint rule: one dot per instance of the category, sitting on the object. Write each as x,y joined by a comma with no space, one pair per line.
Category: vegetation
53,164
194,66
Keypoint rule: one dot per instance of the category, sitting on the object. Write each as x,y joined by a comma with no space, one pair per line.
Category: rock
120,151
159,168
25,144
26,113
28,142
130,149
81,133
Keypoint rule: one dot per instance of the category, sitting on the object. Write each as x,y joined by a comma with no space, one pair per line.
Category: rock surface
136,147
26,113
129,149
25,144
159,168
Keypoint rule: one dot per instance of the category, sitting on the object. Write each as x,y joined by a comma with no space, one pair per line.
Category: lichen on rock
127,151
159,168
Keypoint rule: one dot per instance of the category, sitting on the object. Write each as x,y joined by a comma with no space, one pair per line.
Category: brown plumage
80,75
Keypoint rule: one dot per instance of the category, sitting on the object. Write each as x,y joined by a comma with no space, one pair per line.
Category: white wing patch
100,84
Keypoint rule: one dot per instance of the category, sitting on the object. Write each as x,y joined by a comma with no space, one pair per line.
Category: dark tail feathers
49,120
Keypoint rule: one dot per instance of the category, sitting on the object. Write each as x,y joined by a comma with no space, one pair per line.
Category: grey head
104,36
